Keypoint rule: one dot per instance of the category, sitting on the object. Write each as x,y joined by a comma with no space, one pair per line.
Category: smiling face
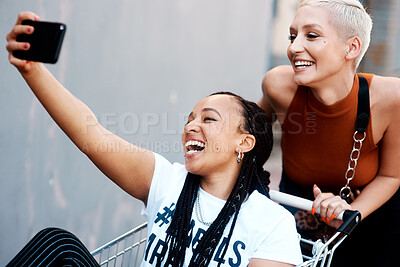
319,51
211,135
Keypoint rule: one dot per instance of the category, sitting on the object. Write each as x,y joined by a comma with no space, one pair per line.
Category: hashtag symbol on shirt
168,212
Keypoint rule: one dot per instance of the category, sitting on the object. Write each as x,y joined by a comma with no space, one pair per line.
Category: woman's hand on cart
345,221
329,206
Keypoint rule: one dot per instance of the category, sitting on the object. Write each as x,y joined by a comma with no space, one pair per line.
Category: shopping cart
128,249
125,250
322,252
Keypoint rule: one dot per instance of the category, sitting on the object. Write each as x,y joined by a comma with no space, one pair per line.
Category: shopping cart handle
295,202
350,217
350,220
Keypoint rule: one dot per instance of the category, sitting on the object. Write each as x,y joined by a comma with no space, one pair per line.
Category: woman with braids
212,211
332,153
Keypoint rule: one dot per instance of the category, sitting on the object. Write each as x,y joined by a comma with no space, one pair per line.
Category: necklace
199,213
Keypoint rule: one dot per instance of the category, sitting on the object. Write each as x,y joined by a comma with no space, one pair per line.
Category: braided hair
251,177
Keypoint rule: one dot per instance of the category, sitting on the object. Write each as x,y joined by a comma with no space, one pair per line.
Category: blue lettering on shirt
218,254
197,238
157,253
157,248
168,212
150,241
237,253
190,235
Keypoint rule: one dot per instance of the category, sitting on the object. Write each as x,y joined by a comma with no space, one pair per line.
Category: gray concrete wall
140,65
383,55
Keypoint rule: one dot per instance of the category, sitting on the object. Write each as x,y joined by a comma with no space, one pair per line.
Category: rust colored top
317,140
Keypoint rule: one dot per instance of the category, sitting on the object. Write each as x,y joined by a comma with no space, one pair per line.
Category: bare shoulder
278,88
385,96
279,80
385,92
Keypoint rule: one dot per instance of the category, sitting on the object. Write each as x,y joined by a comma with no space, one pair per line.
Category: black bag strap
363,107
361,125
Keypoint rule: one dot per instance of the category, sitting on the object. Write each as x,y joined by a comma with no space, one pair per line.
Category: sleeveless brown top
317,140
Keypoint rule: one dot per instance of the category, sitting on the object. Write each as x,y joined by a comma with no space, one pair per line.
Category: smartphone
46,41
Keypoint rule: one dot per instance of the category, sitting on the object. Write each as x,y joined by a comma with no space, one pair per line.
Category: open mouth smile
300,64
193,146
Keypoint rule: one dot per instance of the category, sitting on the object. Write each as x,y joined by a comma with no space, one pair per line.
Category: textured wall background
141,66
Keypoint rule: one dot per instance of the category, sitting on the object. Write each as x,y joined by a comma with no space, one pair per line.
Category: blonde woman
316,100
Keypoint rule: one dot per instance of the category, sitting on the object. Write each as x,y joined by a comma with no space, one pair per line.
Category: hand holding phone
45,41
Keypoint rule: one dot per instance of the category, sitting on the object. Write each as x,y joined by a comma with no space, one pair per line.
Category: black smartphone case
46,41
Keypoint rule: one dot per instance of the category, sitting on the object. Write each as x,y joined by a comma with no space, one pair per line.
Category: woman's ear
353,48
248,141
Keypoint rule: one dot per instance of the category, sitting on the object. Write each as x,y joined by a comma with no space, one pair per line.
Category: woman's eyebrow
312,25
307,26
213,110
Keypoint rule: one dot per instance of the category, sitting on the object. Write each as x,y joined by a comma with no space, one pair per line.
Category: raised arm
129,166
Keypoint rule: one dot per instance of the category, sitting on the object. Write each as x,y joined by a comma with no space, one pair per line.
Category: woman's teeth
194,146
303,64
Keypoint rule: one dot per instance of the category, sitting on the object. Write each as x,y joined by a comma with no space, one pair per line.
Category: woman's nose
296,46
192,126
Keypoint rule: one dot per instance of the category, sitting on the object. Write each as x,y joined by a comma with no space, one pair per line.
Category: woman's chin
301,80
191,167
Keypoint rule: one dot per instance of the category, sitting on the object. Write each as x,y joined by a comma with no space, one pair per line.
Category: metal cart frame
129,248
125,250
322,252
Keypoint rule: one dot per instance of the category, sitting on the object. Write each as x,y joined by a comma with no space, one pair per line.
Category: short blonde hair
350,18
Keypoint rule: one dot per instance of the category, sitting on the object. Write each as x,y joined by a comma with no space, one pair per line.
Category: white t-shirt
263,229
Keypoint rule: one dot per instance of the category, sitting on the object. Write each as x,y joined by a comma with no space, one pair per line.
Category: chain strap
346,192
